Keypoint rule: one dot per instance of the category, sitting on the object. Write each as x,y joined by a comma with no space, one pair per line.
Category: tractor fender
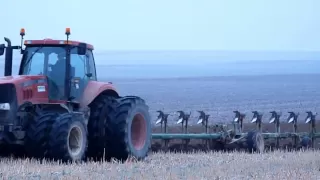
94,89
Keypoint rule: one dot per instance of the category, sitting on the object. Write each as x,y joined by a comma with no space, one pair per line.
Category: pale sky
169,24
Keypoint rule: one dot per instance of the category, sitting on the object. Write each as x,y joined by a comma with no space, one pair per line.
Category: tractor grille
8,95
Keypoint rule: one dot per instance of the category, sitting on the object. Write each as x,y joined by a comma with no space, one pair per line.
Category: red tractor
56,108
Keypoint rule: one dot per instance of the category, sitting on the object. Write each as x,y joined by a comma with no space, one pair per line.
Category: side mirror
82,48
2,47
89,75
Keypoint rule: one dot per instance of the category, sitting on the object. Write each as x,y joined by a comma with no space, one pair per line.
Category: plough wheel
255,142
306,142
129,128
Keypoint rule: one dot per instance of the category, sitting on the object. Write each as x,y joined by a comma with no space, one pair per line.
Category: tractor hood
18,79
14,90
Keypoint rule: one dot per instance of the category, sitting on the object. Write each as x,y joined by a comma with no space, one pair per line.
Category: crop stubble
198,166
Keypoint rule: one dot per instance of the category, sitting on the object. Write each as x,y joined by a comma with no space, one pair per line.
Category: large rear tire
68,138
98,147
37,135
129,128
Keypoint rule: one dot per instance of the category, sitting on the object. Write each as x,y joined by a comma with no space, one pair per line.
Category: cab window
91,65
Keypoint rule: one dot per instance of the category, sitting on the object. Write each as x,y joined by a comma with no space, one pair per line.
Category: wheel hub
138,131
75,140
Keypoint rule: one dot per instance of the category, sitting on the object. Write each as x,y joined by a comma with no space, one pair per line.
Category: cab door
91,68
79,78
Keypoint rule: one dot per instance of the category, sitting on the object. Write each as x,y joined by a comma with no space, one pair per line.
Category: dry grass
275,165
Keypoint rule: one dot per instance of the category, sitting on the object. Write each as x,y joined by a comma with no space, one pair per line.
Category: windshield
36,60
42,60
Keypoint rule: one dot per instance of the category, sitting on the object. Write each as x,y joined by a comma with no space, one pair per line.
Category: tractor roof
54,42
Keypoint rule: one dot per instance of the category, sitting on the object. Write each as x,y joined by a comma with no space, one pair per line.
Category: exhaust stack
8,58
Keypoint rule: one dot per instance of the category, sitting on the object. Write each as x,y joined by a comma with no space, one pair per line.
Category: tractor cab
68,65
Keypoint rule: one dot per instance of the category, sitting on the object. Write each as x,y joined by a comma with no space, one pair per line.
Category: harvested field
275,165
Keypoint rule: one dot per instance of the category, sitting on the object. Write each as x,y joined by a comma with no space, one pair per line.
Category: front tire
37,135
68,138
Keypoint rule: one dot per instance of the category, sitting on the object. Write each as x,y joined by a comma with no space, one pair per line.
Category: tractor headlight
4,106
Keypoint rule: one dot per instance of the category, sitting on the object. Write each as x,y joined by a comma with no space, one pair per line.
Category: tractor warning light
22,32
67,31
